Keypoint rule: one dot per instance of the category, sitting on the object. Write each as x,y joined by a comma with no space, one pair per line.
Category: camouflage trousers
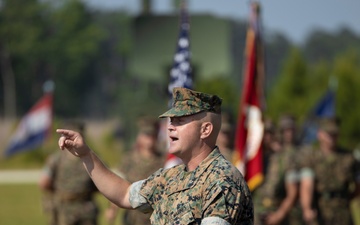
77,213
293,218
334,211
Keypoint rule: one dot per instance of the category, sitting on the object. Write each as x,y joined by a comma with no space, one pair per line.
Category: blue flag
325,108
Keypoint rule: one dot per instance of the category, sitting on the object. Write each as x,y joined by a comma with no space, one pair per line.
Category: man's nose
171,127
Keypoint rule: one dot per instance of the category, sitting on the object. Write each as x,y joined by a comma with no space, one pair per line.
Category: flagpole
250,126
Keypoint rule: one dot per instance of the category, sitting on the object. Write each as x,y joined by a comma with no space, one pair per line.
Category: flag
181,72
33,128
172,160
250,127
326,105
325,108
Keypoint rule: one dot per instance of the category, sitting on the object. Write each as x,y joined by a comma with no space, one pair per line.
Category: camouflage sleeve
292,171
292,176
50,165
215,204
46,170
137,201
304,161
226,202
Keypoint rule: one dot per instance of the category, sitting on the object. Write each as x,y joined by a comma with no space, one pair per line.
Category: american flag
181,72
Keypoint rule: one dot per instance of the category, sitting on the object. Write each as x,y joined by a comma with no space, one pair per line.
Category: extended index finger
67,133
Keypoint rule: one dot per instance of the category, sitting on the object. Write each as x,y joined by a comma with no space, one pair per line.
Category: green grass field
21,204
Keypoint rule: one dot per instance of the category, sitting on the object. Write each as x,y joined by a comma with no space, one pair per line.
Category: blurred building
216,46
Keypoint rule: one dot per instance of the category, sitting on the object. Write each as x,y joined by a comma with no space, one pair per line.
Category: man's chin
174,151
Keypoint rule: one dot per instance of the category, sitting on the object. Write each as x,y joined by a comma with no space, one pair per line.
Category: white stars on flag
181,73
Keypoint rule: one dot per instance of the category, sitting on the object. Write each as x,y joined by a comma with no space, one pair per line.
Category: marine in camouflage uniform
277,195
206,189
176,196
290,147
267,150
328,174
71,189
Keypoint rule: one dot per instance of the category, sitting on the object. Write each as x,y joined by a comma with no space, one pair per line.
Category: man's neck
195,160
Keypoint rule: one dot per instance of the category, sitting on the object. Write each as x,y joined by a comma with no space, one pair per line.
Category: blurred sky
295,18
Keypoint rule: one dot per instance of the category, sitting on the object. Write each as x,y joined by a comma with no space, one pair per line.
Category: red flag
249,129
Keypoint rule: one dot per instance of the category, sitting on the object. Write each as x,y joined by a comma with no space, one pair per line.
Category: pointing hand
73,142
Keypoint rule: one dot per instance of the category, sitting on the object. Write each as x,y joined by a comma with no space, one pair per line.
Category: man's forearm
109,184
306,193
291,195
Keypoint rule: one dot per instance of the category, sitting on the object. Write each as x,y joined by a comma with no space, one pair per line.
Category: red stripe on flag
249,130
33,128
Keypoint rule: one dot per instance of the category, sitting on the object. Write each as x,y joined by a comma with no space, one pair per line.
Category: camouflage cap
188,102
148,125
329,125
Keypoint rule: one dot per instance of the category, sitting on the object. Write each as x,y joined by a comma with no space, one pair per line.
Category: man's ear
206,129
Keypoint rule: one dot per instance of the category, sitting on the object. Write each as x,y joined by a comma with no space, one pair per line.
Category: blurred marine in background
140,162
330,178
277,194
68,190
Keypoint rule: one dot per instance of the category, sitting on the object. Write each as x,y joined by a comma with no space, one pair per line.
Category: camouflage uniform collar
189,179
215,153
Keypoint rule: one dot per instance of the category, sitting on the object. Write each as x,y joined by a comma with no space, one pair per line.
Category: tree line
85,52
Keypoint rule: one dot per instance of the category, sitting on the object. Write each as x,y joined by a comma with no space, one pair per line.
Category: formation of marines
304,184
